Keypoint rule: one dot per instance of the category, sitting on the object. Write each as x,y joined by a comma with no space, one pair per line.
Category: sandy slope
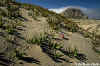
84,46
33,27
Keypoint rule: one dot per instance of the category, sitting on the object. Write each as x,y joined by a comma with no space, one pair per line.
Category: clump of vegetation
21,56
57,23
96,43
47,45
70,26
51,49
86,35
96,50
95,38
38,39
1,23
54,23
74,54
10,30
9,15
8,25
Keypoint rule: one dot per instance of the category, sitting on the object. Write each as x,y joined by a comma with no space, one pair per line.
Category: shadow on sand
80,56
29,60
4,61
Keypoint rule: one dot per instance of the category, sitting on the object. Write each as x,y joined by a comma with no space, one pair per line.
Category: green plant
75,52
10,30
17,23
70,26
57,55
34,40
68,52
56,46
9,38
71,53
38,39
1,24
96,50
19,54
86,34
3,12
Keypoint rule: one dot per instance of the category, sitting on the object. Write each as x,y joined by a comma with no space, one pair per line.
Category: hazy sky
90,7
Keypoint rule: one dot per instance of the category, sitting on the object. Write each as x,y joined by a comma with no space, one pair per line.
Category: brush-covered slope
18,22
33,36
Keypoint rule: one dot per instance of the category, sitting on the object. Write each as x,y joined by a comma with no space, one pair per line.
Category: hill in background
74,13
